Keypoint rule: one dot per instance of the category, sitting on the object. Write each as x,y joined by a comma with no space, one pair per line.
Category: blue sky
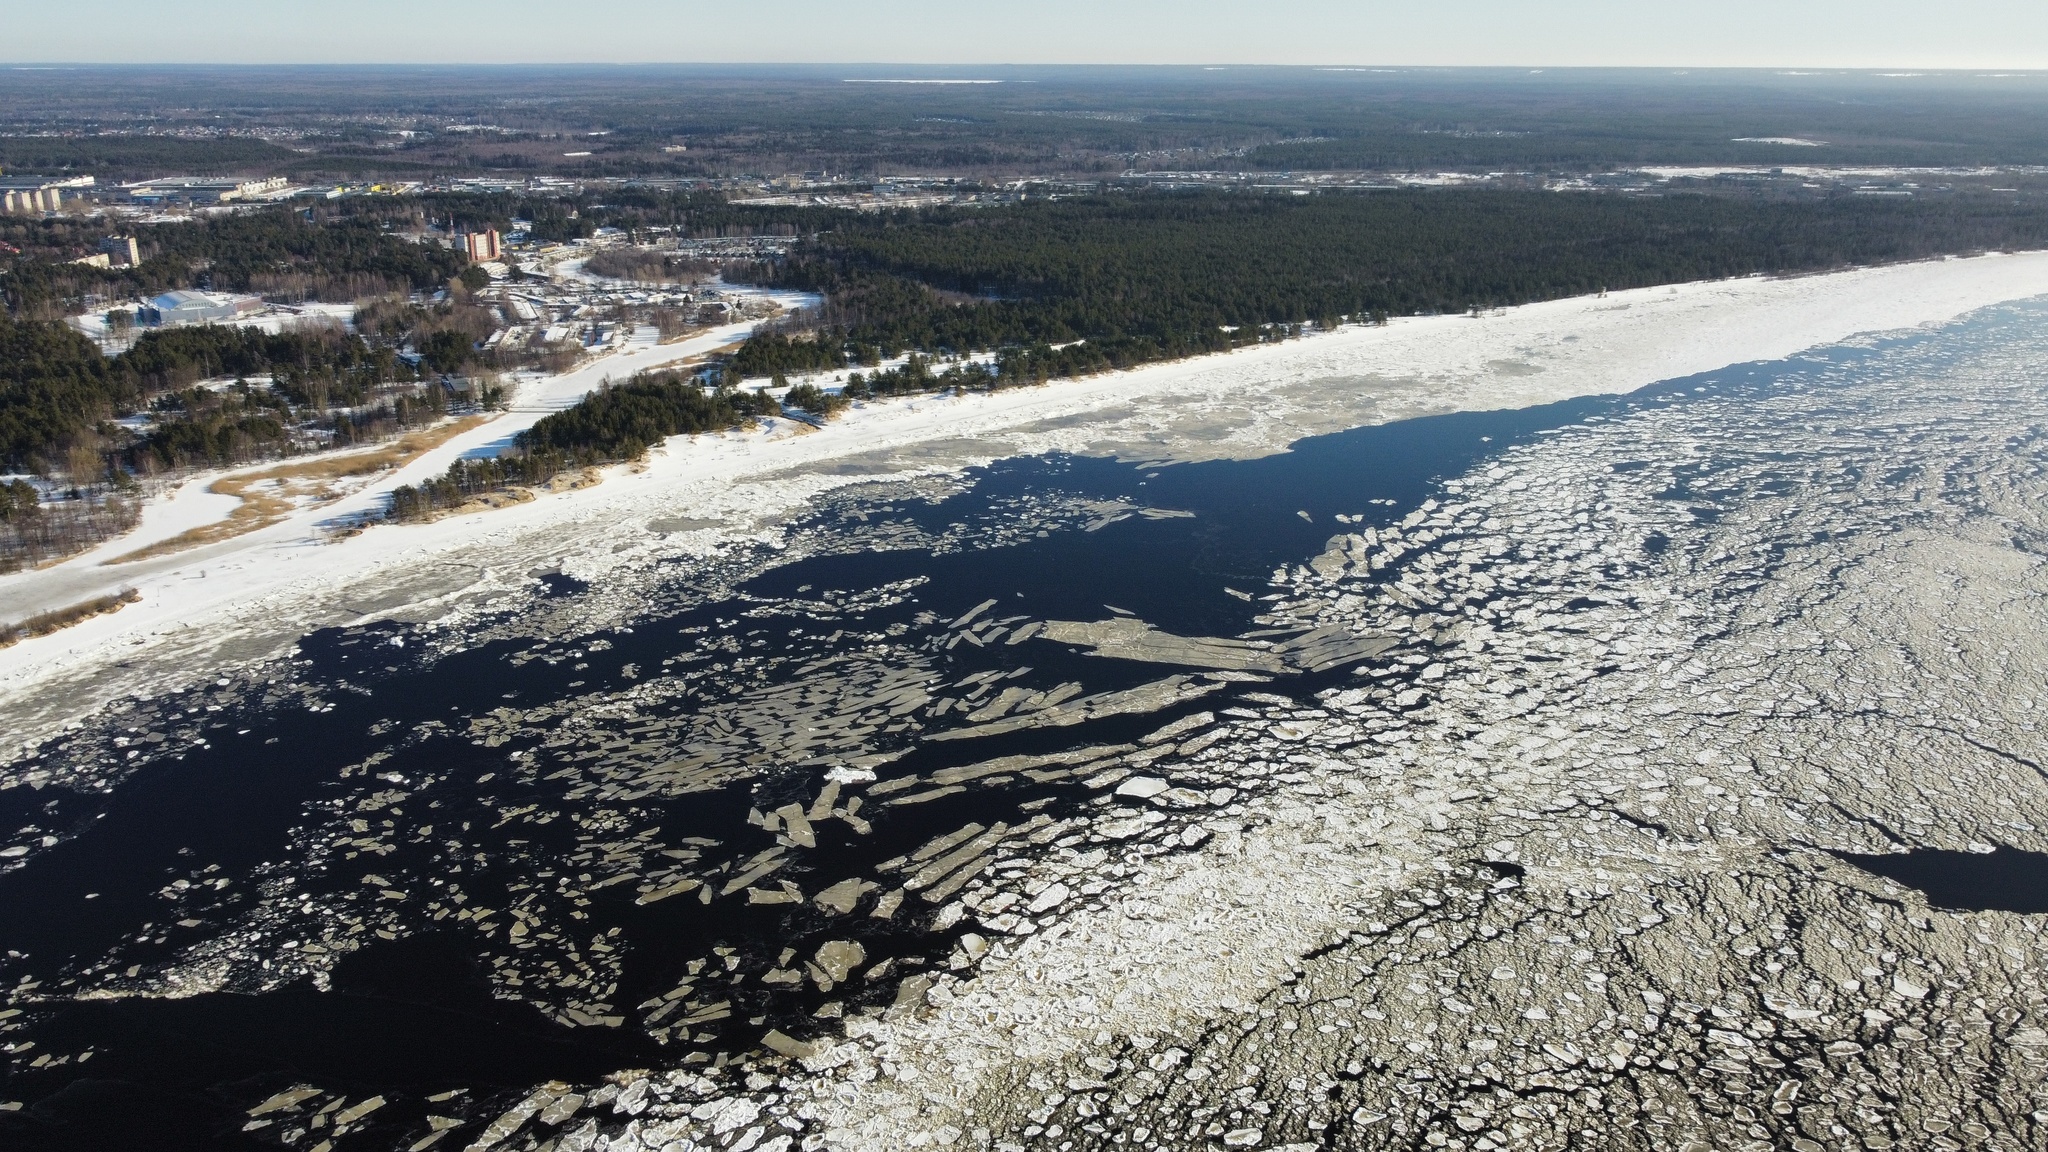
1974,34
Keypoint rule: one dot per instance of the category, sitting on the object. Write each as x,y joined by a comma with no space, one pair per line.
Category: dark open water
416,1015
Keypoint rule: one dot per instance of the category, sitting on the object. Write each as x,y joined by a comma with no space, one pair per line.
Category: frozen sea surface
1474,781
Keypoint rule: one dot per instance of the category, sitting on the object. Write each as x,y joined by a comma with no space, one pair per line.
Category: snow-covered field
252,596
93,325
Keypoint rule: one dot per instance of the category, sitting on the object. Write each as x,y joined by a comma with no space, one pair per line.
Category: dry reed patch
44,623
272,494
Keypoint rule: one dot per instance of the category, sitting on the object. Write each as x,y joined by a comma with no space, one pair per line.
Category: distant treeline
122,156
615,423
1064,121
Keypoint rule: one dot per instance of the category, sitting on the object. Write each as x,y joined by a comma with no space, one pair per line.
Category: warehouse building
187,307
203,190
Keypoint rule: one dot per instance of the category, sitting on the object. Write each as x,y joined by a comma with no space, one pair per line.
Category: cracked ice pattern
1554,865
1571,883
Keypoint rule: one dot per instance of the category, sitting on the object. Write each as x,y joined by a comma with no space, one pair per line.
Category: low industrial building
189,307
203,190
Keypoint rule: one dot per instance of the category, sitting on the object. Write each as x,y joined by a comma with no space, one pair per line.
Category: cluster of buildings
39,194
120,251
27,194
589,314
385,188
204,190
115,252
824,190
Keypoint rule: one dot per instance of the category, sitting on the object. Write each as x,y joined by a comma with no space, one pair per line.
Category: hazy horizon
1830,34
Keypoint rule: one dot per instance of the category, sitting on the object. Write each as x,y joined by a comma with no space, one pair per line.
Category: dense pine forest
1070,287
58,392
1160,276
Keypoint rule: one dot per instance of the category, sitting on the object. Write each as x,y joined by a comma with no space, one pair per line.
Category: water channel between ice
433,867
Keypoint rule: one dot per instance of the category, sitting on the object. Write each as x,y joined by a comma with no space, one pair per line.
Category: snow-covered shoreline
253,595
